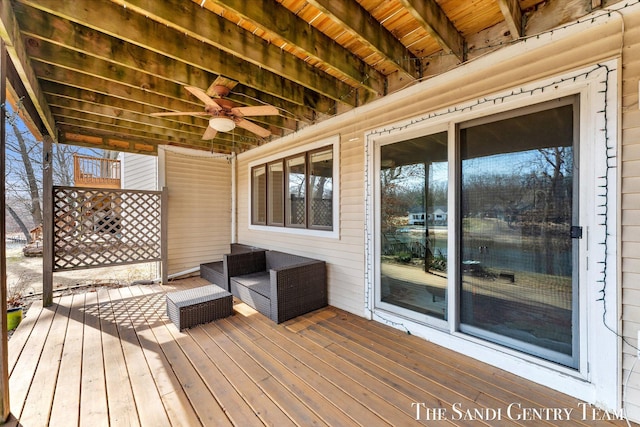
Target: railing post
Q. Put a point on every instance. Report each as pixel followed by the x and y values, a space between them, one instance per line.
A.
pixel 47 223
pixel 4 354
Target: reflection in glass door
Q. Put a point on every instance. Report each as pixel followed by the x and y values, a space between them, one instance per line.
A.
pixel 413 224
pixel 518 203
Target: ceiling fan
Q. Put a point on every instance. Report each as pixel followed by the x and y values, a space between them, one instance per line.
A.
pixel 225 116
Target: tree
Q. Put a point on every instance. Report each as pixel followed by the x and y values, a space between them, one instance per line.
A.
pixel 24 172
pixel 25 150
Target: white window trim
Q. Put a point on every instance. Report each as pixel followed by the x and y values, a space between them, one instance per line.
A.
pixel 597 379
pixel 331 234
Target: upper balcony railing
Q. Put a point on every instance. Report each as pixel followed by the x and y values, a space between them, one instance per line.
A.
pixel 96 172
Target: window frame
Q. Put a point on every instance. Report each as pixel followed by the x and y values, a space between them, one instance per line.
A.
pixel 332 142
pixel 310 190
pixel 287 193
pixel 252 213
pixel 269 215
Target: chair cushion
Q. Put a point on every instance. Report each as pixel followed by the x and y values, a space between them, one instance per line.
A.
pixel 257 282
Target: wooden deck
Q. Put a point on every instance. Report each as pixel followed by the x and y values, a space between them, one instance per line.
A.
pixel 112 358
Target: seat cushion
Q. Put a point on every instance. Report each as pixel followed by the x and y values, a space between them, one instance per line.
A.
pixel 256 282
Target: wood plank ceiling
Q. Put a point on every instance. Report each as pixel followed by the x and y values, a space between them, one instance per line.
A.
pixel 91 72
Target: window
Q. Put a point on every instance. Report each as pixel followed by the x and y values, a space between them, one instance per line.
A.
pixel 296 201
pixel 294 192
pixel 321 188
pixel 275 200
pixel 258 195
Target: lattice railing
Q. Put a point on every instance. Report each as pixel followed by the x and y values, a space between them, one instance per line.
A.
pixel 97 227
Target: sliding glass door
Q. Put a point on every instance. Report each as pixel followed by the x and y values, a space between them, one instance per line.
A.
pixel 513 272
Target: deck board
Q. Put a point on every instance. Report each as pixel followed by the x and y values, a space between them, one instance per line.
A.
pixel 64 409
pixel 155 386
pixel 135 338
pixel 119 392
pixel 34 413
pixel 21 334
pixel 112 357
pixel 94 410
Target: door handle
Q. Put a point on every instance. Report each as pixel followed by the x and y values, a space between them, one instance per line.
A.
pixel 576 232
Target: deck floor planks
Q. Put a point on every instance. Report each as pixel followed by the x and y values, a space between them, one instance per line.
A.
pixel 228 397
pixel 293 375
pixel 350 396
pixel 426 374
pixel 281 396
pixel 122 405
pixel 449 358
pixel 28 362
pixel 493 380
pixel 325 368
pixel 168 394
pixel 196 390
pixel 94 409
pixel 401 391
pixel 39 400
pixel 261 405
pixel 64 408
pixel 22 334
pixel 151 410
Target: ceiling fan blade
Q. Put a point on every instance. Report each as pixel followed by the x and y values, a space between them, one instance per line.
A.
pixel 202 96
pixel 258 110
pixel 252 127
pixel 180 113
pixel 210 133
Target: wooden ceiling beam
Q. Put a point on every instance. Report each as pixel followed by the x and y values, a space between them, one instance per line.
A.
pixel 68 104
pixel 190 18
pixel 121 55
pixel 90 124
pixel 512 16
pixel 274 73
pixel 429 14
pixel 10 33
pixel 128 127
pixel 115 104
pixel 18 97
pixel 105 140
pixel 106 143
pixel 359 22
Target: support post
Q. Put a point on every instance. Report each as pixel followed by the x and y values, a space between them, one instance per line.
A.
pixel 47 222
pixel 4 354
pixel 164 223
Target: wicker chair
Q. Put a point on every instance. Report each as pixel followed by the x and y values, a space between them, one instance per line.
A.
pixel 214 272
pixel 279 285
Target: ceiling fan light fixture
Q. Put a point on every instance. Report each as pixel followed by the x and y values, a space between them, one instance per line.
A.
pixel 222 124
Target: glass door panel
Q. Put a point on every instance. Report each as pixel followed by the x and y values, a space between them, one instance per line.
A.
pixel 518 203
pixel 413 224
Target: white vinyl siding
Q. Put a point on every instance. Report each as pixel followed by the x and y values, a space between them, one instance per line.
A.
pixel 139 171
pixel 630 227
pixel 199 192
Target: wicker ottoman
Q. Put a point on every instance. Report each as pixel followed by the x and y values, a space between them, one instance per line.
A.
pixel 195 306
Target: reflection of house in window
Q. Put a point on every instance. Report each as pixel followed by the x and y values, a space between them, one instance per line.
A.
pixel 416 216
pixel 436 215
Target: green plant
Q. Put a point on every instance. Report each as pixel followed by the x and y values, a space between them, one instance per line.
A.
pixel 439 262
pixel 404 257
pixel 15 291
